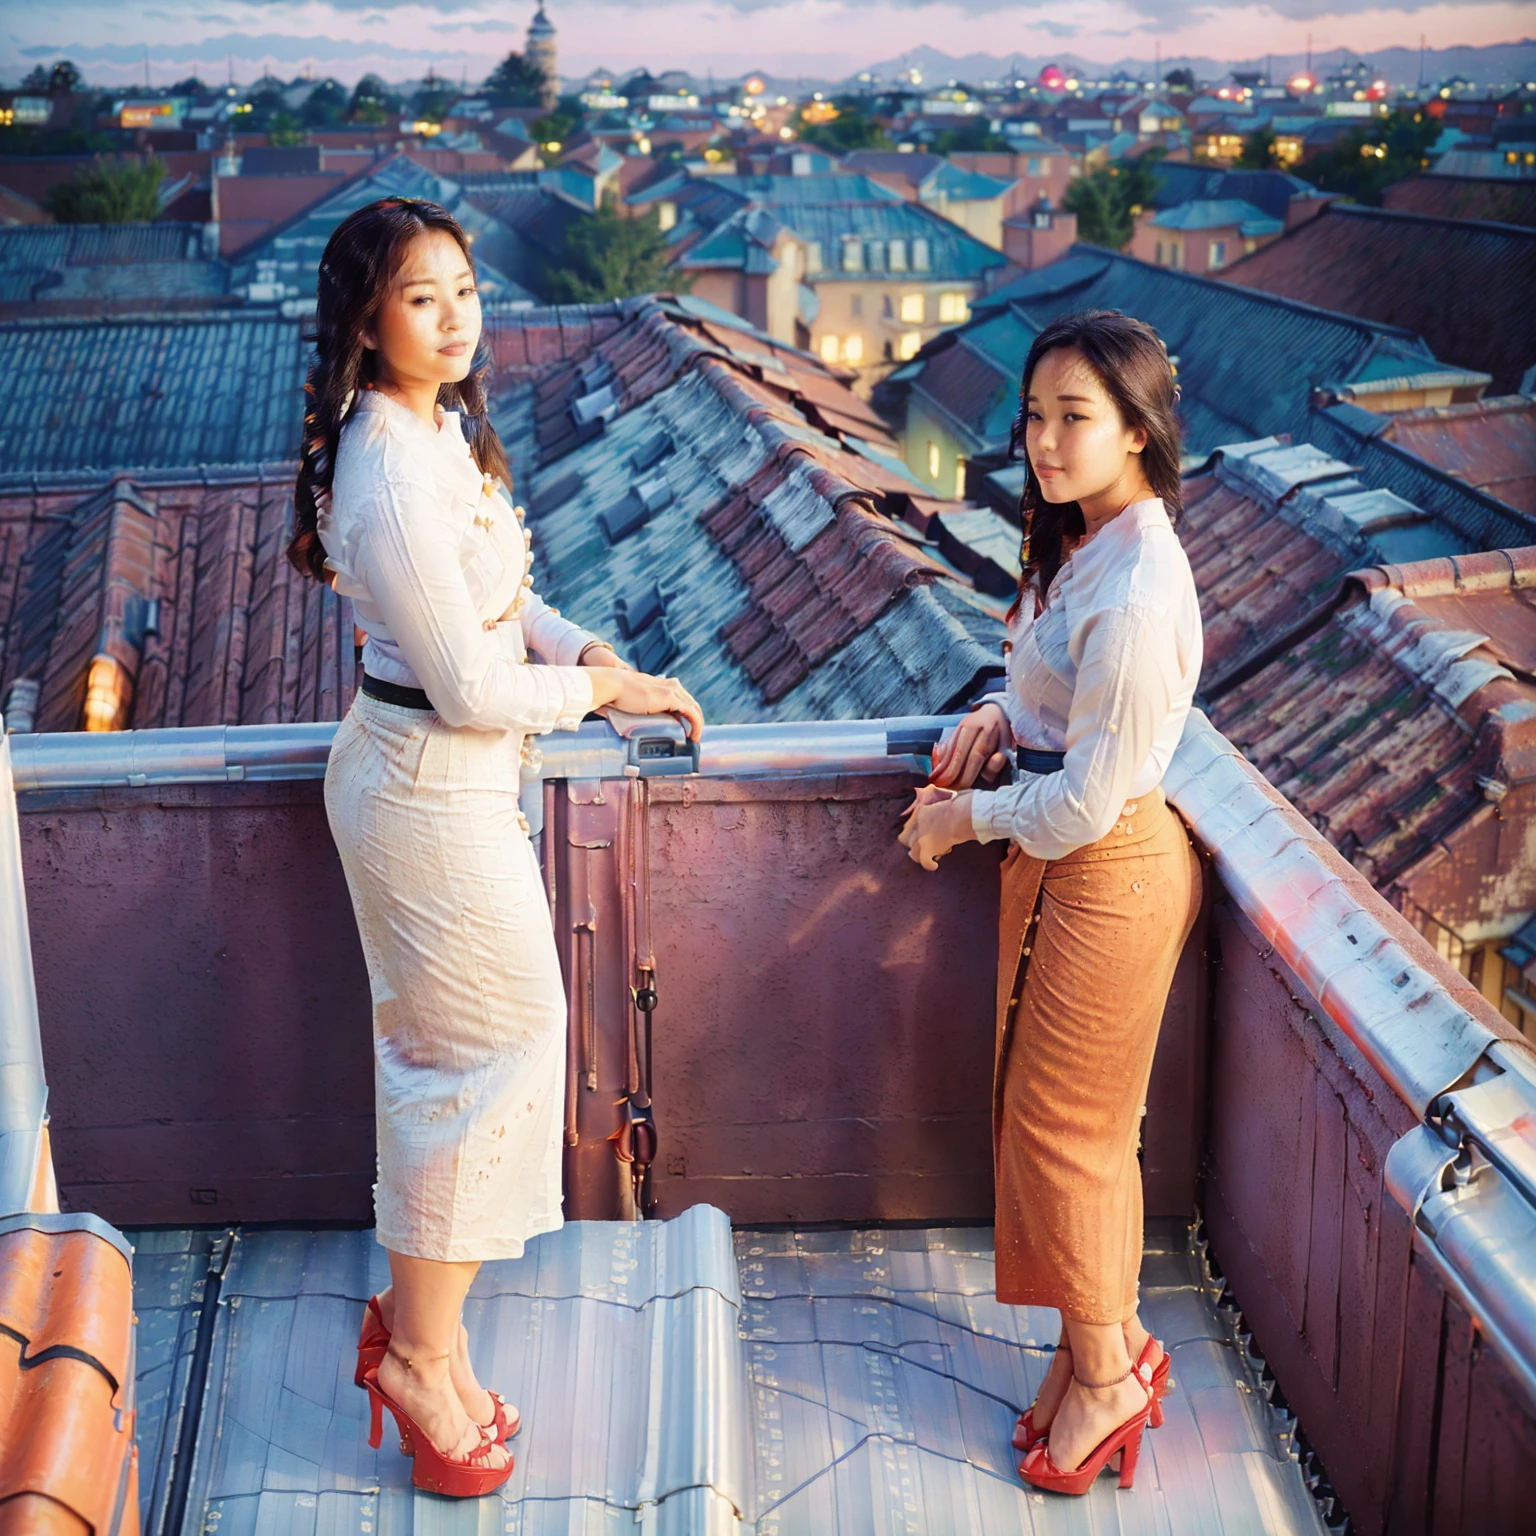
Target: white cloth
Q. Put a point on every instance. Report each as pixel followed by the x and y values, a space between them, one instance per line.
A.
pixel 468 1007
pixel 1107 674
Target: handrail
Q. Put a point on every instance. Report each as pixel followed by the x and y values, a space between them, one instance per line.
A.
pixel 23 1088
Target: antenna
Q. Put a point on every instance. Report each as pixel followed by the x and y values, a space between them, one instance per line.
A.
pixel 146 66
pixel 1309 53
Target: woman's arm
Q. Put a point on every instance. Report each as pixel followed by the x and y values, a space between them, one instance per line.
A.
pixel 1123 694
pixel 412 572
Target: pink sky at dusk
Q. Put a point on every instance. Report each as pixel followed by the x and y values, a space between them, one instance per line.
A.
pixel 827 38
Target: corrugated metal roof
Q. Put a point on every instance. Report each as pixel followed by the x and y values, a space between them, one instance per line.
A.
pixel 1505 200
pixel 1487 443
pixel 1454 282
pixel 1271 191
pixel 696 1382
pixel 184 580
pixel 1247 361
pixel 152 392
pixel 757 490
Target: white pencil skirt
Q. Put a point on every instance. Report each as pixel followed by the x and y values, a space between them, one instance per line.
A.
pixel 468 1006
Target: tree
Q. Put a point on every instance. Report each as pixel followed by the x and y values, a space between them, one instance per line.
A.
pixel 430 104
pixel 970 138
pixel 325 106
pixel 372 102
pixel 1258 152
pixel 1108 198
pixel 285 130
pixel 558 126
pixel 59 79
pixel 191 86
pixel 109 192
pixel 515 82
pixel 849 127
pixel 1363 163
pixel 608 256
pixel 1180 79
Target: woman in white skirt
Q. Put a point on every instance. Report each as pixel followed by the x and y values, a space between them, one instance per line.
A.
pixel 401 505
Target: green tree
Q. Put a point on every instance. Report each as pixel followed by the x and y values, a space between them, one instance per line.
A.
pixel 1180 79
pixel 1258 152
pixel 64 78
pixel 558 126
pixel 852 128
pixel 109 192
pixel 191 86
pixel 515 82
pixel 372 102
pixel 1107 199
pixel 608 256
pixel 325 106
pixel 1365 162
pixel 285 130
pixel 972 137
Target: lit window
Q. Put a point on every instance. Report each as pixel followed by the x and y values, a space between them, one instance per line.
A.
pixel 813 256
pixel 953 309
pixel 830 346
pixel 959 477
pixel 908 345
pixel 912 308
pixel 933 461
pixel 853 350
pixel 1033 168
pixel 666 215
pixel 1218 253
pixel 896 255
pixel 919 255
pixel 877 255
pixel 853 255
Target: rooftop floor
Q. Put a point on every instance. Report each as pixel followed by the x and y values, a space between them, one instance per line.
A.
pixel 675 1374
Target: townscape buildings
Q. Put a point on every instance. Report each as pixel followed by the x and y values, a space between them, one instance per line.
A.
pixel 769 342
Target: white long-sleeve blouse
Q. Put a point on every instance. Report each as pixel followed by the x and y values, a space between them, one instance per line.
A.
pixel 1106 673
pixel 435 559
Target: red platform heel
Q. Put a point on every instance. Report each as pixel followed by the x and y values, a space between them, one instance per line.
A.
pixel 1039 1471
pixel 373 1342
pixel 1160 1381
pixel 465 1477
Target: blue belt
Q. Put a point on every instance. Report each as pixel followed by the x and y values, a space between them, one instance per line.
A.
pixel 1038 760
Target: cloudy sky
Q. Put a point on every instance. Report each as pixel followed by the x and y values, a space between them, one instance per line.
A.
pixel 826 38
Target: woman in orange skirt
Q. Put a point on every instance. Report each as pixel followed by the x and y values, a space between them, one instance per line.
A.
pixel 1101 886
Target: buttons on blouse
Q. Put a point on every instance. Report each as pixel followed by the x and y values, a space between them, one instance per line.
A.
pixel 486 522
pixel 519 513
pixel 488 624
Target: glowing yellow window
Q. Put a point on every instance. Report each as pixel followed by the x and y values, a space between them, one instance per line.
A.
pixel 911 311
pixel 933 461
pixel 953 309
pixel 959 477
pixel 830 346
pixel 853 350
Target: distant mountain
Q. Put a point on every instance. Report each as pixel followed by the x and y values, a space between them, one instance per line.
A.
pixel 1496 64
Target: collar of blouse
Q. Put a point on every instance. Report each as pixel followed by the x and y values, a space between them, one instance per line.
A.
pixel 449 446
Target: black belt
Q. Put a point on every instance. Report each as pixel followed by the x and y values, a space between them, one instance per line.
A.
pixel 1038 760
pixel 394 693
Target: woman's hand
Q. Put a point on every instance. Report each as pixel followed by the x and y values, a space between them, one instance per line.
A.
pixel 977 745
pixel 600 654
pixel 937 820
pixel 638 693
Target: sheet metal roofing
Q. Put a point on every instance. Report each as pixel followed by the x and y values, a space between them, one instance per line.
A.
pixel 1458 283
pixel 1271 191
pixel 100 268
pixel 722 506
pixel 1501 199
pixel 694 1382
pixel 1399 725
pixel 151 391
pixel 1247 361
pixel 180 577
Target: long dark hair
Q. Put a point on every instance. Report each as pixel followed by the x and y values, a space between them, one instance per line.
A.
pixel 1133 366
pixel 360 262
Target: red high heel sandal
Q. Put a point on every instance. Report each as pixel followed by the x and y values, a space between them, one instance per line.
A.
pixel 1025 1436
pixel 1039 1471
pixel 460 1477
pixel 1160 1381
pixel 372 1343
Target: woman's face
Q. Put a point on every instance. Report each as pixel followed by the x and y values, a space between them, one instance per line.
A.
pixel 1077 444
pixel 428 326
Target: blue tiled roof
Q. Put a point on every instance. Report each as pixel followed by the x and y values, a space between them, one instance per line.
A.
pixel 959 185
pixel 1218 213
pixel 802 191
pixel 83 266
pixel 953 254
pixel 1270 191
pixel 293 250
pixel 1246 369
pixel 164 391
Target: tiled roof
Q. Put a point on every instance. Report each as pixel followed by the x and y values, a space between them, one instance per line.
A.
pixel 1247 361
pixel 952 253
pixel 1504 200
pixel 290 254
pixel 1400 722
pixel 181 578
pixel 914 167
pixel 1455 282
pixel 151 392
pixel 102 268
pixel 725 508
pixel 1218 213
pixel 803 191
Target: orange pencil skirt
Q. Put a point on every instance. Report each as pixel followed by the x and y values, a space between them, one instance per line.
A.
pixel 1089 944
